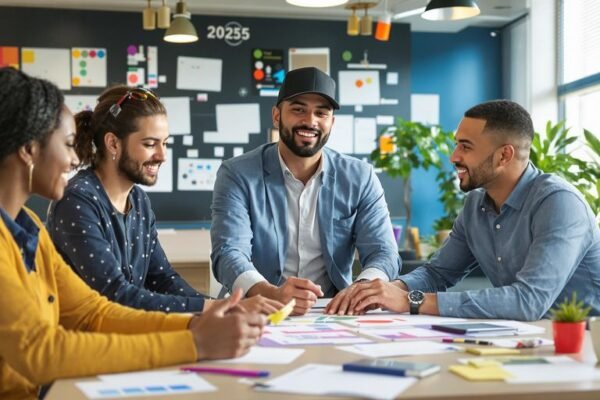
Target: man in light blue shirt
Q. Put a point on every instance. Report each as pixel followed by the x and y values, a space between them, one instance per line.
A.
pixel 288 216
pixel 532 234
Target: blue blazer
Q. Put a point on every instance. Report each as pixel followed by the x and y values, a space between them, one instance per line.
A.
pixel 249 218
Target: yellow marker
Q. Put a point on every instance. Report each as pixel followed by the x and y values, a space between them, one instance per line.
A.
pixel 282 314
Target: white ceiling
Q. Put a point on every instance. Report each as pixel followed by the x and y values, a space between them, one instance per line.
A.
pixel 494 13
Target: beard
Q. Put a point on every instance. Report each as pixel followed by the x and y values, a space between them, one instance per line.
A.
pixel 287 136
pixel 134 170
pixel 479 176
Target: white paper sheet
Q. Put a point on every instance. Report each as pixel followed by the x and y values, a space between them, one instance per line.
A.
pixel 51 64
pixel 188 140
pixel 385 120
pixel 234 118
pixel 341 137
pixel 164 182
pixel 267 355
pixel 136 76
pixel 400 333
pixel 365 135
pixel 163 385
pixel 410 348
pixel 78 103
pixel 391 78
pixel 88 67
pixel 152 67
pixel 178 114
pixel 359 87
pixel 197 174
pixel 198 73
pixel 323 334
pixel 321 303
pixel 425 108
pixel 386 320
pixel 330 380
pixel 238 151
pixel 560 369
pixel 192 153
pixel 219 151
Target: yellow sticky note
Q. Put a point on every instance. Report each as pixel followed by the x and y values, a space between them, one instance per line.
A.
pixel 471 373
pixel 28 56
pixel 282 314
pixel 484 362
pixel 491 351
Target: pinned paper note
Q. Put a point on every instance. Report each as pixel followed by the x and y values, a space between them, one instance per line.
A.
pixel 51 64
pixel 197 174
pixel 88 67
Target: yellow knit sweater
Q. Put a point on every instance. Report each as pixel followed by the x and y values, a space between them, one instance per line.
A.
pixel 52 325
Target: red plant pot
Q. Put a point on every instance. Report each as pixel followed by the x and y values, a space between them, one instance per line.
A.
pixel 568 336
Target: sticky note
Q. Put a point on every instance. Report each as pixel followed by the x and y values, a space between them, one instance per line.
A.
pixel 471 373
pixel 282 314
pixel 28 56
pixel 491 351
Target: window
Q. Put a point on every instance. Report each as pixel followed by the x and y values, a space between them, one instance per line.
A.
pixel 579 66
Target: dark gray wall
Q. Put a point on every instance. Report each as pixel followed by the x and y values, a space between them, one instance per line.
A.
pixel 116 30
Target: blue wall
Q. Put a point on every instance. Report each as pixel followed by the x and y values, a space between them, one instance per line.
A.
pixel 465 69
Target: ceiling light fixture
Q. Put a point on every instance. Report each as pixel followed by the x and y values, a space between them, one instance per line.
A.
pixel 149 17
pixel 384 25
pixel 181 30
pixel 450 10
pixel 316 3
pixel 164 16
pixel 365 26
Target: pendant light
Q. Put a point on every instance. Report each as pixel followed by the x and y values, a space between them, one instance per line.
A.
pixel 450 10
pixel 181 30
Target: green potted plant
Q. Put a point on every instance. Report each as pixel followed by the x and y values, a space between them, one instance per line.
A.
pixel 413 145
pixel 550 153
pixel 568 325
pixel 452 199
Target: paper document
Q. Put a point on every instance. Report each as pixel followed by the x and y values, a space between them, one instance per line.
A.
pixel 330 380
pixel 144 384
pixel 399 349
pixel 267 355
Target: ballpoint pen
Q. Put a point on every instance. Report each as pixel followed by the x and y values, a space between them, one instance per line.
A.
pixel 248 373
pixel 467 341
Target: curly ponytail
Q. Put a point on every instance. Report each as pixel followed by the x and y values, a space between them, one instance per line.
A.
pixel 84 139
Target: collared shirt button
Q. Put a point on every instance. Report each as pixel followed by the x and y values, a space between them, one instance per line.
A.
pixel 499 259
pixel 498 226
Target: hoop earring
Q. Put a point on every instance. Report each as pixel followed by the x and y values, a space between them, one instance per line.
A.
pixel 31 177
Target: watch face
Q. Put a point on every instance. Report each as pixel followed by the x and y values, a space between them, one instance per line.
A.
pixel 416 296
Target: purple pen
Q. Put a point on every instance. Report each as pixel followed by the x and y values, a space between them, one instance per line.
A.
pixel 247 373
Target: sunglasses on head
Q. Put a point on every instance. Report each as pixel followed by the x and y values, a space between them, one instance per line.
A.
pixel 139 94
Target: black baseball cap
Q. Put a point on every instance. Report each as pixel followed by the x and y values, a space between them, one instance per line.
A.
pixel 308 80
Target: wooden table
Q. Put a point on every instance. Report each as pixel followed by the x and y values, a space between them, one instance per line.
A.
pixel 443 385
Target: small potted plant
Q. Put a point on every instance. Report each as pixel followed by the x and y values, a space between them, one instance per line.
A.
pixel 568 325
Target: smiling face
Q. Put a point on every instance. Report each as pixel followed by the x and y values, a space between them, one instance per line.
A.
pixel 474 154
pixel 145 150
pixel 304 123
pixel 56 159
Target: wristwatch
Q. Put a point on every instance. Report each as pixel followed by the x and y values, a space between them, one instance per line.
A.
pixel 415 299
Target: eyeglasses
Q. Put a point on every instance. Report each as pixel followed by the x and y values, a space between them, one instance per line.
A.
pixel 140 94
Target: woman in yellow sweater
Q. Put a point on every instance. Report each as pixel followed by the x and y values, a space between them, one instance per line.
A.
pixel 52 325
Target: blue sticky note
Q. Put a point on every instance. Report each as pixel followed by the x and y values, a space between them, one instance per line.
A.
pixel 133 390
pixel 178 388
pixel 156 389
pixel 108 392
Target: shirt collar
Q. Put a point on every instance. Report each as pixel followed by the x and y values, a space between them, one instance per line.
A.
pixel 519 193
pixel 319 172
pixel 25 232
pixel 517 196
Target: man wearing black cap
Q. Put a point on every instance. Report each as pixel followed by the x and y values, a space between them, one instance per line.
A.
pixel 288 216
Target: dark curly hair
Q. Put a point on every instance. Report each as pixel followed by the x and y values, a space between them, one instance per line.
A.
pixel 29 110
pixel 93 125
